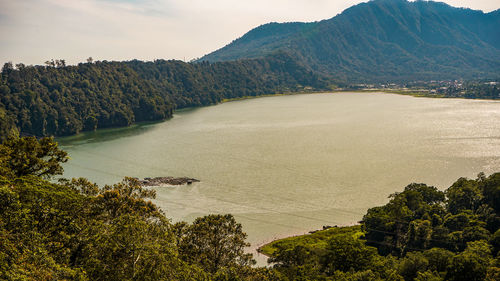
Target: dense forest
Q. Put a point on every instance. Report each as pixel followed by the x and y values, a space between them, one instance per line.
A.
pixel 420 234
pixel 77 230
pixel 57 100
pixel 384 40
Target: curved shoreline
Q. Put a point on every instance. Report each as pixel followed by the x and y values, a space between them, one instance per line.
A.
pixel 334 91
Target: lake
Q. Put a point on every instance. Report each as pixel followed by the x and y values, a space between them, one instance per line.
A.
pixel 285 165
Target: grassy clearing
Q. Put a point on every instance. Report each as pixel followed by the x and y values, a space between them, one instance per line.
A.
pixel 317 240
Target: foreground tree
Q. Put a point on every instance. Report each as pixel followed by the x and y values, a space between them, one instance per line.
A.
pixel 29 156
pixel 214 242
pixel 75 230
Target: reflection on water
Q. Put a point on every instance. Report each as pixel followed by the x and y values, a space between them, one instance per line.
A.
pixel 106 134
pixel 111 134
pixel 286 165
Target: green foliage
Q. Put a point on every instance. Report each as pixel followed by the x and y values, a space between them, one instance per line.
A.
pixel 29 156
pixel 413 264
pixel 491 191
pixel 7 122
pixel 439 259
pixel 317 240
pixel 214 242
pixel 428 276
pixel 464 194
pixel 76 230
pixel 472 264
pixel 495 242
pixel 66 100
pixel 346 253
pixel 420 234
pixel 407 221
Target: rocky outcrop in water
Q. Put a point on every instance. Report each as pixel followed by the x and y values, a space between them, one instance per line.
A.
pixel 158 181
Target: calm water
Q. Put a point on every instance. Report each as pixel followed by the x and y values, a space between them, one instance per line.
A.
pixel 286 165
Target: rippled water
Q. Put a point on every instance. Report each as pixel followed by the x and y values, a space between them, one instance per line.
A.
pixel 286 165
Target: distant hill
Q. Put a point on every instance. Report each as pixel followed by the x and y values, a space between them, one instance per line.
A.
pixel 384 40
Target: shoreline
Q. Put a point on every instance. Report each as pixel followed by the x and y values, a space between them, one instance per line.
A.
pixel 381 91
pixel 412 93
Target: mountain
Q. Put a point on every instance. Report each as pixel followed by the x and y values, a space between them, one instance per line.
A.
pixel 384 40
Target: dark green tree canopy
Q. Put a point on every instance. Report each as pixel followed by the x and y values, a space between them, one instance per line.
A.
pixel 29 156
pixel 66 100
pixel 214 241
pixel 77 230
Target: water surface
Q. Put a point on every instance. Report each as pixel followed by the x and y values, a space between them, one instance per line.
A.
pixel 286 165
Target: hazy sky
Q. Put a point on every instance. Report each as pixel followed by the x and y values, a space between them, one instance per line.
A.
pixel 36 30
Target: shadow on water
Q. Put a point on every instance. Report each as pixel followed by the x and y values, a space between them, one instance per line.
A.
pixel 103 135
pixel 109 134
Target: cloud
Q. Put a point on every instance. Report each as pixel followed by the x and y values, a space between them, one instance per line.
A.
pixel 485 5
pixel 37 30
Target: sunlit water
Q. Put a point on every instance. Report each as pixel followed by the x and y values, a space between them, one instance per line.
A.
pixel 286 165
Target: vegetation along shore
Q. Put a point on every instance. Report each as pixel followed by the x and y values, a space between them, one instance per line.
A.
pixel 77 230
pixel 67 100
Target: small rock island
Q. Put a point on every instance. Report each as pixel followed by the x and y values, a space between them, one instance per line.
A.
pixel 158 181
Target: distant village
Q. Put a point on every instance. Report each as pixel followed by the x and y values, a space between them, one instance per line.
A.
pixel 442 88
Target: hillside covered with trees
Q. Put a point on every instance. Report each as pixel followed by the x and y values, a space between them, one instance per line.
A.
pixel 384 40
pixel 58 100
pixel 77 230
pixel 420 234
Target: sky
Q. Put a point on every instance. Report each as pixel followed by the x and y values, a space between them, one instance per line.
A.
pixel 34 31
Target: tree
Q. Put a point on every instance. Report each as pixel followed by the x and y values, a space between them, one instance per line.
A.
pixel 438 258
pixel 345 253
pixel 428 276
pixel 56 100
pixel 29 156
pixel 412 264
pixel 419 234
pixel 431 195
pixel 297 256
pixel 491 190
pixel 464 194
pixel 7 68
pixel 38 221
pixel 297 263
pixel 214 242
pixel 7 123
pixel 495 242
pixel 50 63
pixel 470 265
pixel 493 274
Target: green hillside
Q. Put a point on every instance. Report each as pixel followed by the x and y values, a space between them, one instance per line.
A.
pixel 66 100
pixel 384 40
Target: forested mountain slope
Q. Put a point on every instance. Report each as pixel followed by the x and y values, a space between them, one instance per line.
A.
pixel 384 40
pixel 46 100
